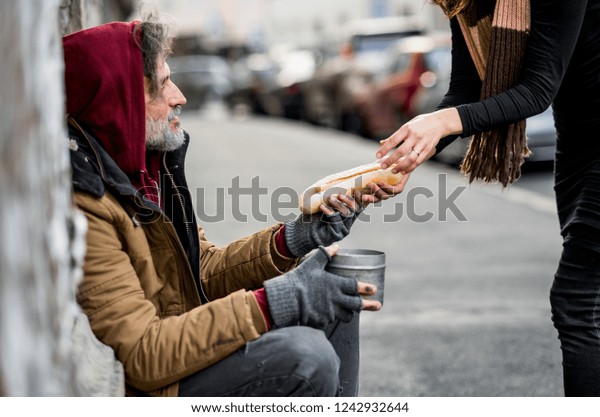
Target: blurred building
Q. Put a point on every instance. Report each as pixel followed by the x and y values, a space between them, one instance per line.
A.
pixel 310 22
pixel 306 24
pixel 232 21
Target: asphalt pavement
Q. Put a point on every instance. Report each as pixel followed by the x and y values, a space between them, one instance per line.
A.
pixel 469 268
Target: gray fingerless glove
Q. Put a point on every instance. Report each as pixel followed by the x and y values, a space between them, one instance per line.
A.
pixel 311 296
pixel 309 231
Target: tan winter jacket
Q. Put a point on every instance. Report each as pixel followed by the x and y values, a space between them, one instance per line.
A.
pixel 142 271
pixel 141 301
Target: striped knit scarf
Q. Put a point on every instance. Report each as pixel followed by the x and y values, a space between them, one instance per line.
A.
pixel 497 47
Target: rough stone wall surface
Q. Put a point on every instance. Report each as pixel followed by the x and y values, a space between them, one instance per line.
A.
pixel 46 346
pixel 75 15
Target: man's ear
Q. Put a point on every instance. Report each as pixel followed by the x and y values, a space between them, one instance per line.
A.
pixel 147 85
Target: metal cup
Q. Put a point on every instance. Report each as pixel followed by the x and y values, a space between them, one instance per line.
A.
pixel 364 265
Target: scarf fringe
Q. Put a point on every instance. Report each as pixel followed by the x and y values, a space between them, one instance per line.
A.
pixel 504 157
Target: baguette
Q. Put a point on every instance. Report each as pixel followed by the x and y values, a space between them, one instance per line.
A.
pixel 346 182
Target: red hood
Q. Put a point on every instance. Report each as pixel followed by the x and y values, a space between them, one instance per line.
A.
pixel 105 93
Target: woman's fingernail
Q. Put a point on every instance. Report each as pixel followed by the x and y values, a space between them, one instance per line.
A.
pixel 379 155
pixel 384 166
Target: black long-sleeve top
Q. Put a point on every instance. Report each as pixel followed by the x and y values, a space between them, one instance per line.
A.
pixel 561 67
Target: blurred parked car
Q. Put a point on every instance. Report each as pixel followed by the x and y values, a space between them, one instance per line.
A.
pixel 296 67
pixel 541 137
pixel 201 78
pixel 255 76
pixel 361 55
pixel 541 140
pixel 382 105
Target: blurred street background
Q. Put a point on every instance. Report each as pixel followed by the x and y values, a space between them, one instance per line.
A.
pixel 281 93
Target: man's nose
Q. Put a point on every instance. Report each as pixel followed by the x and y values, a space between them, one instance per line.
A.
pixel 178 99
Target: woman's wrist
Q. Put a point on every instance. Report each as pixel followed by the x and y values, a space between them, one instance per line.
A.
pixel 449 121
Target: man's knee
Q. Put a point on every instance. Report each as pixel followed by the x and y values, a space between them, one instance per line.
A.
pixel 313 359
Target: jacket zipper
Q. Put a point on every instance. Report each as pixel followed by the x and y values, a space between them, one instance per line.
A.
pixel 185 266
pixel 179 197
pixel 187 226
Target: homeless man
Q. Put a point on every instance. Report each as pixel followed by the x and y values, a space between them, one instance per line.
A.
pixel 183 316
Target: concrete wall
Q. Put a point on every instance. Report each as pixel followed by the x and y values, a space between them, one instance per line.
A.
pixel 75 15
pixel 46 345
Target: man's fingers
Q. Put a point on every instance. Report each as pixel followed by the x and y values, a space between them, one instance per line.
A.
pixel 368 199
pixel 373 196
pixel 343 203
pixel 360 199
pixel 366 288
pixel 390 190
pixel 349 201
pixel 383 193
pixel 332 250
pixel 393 190
pixel 371 305
pixel 335 201
pixel 327 210
pixel 378 192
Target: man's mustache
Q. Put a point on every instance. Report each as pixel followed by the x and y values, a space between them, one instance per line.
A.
pixel 174 113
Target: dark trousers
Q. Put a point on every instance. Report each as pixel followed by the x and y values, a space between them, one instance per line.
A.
pixel 292 361
pixel 575 299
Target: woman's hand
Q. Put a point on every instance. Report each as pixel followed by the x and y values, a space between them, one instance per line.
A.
pixel 416 140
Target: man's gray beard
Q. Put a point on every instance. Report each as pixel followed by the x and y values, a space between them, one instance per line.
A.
pixel 159 135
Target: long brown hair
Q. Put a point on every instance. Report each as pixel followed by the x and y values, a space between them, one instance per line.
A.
pixel 452 7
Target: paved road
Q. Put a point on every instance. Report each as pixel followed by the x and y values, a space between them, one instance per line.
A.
pixel 466 302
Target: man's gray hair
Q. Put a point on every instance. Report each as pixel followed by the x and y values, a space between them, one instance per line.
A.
pixel 155 37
